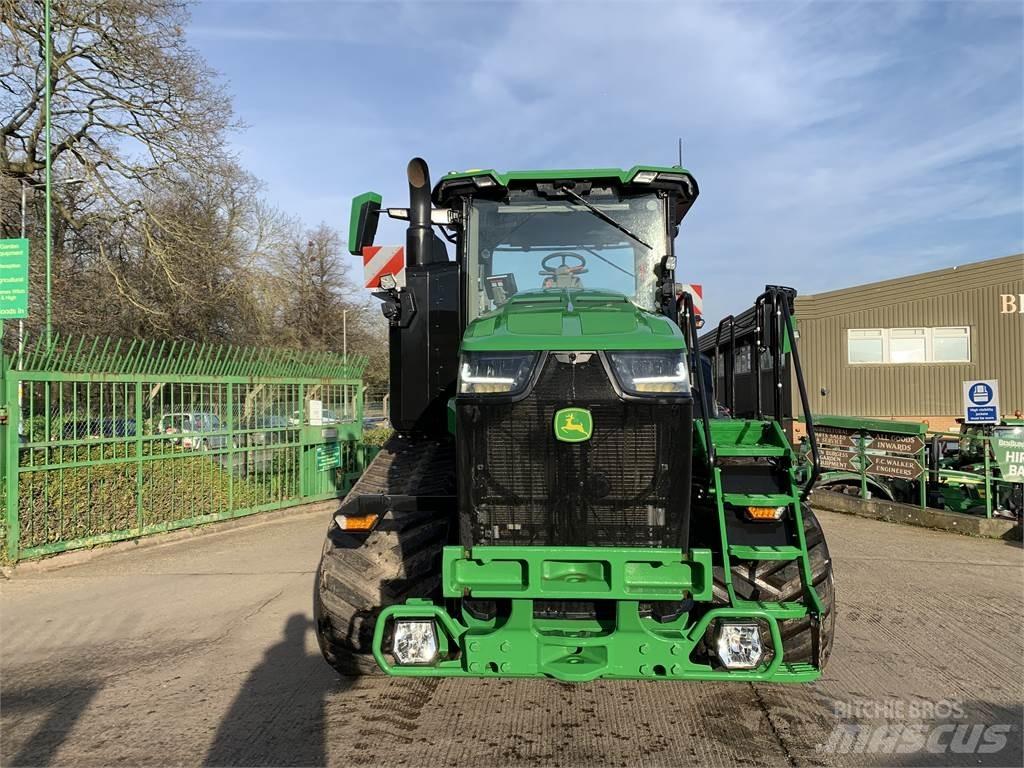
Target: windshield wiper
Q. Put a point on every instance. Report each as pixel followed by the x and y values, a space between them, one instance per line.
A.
pixel 602 215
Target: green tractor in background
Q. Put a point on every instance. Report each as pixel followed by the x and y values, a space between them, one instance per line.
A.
pixel 962 470
pixel 559 499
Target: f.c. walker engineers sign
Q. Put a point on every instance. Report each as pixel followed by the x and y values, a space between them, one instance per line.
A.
pixel 13 278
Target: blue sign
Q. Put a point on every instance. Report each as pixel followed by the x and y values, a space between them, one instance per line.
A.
pixel 980 394
pixel 981 402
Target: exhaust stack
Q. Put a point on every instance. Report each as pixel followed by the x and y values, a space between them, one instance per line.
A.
pixel 420 249
pixel 424 340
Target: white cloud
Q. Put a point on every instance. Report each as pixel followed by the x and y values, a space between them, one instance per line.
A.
pixel 834 143
pixel 813 133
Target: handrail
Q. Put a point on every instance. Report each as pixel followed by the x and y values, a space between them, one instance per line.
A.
pixel 755 356
pixel 696 371
pixel 787 319
pixel 777 355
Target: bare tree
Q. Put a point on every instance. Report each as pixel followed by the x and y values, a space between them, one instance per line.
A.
pixel 131 101
pixel 168 236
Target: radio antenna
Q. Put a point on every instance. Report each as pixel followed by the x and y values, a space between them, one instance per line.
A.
pixel 680 152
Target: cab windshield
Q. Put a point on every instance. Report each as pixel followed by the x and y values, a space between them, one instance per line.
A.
pixel 536 243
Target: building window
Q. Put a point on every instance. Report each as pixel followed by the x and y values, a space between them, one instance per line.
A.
pixel 908 345
pixel 865 345
pixel 951 345
pixel 899 346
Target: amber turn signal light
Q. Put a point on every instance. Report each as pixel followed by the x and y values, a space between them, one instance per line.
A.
pixel 349 523
pixel 765 514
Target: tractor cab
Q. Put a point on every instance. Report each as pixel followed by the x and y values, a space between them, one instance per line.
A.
pixel 530 231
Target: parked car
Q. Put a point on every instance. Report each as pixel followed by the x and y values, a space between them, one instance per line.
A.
pixel 193 430
pixel 265 429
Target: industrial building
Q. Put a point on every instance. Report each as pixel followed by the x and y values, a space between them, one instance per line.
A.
pixel 902 348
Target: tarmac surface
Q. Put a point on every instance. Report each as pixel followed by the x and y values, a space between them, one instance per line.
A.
pixel 201 651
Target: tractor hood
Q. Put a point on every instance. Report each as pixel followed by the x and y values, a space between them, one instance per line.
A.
pixel 548 320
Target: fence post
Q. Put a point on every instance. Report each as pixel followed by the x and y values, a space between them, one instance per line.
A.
pixel 230 449
pixel 985 443
pixel 140 486
pixel 300 430
pixel 360 411
pixel 862 455
pixel 9 453
pixel 922 479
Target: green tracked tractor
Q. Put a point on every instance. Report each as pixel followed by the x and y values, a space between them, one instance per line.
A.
pixel 562 497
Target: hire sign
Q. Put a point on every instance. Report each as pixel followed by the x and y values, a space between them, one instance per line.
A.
pixel 1009 453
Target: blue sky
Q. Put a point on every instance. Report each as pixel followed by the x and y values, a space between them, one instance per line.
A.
pixel 834 143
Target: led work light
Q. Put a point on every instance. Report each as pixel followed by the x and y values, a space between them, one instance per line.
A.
pixel 739 645
pixel 415 642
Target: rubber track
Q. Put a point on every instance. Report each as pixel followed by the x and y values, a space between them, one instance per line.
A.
pixel 779 581
pixel 361 574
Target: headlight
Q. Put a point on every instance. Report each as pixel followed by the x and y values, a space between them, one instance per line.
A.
pixel 495 373
pixel 415 642
pixel 739 645
pixel 652 373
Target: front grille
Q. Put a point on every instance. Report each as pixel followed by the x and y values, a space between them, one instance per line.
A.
pixel 628 485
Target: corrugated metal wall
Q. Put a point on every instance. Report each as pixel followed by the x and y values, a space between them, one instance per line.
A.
pixel 968 295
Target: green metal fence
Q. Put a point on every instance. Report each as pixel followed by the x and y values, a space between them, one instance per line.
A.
pixel 110 440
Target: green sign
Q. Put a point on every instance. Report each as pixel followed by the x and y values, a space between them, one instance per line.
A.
pixel 573 425
pixel 13 278
pixel 1009 451
pixel 328 456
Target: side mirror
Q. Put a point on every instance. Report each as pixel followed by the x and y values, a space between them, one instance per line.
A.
pixel 362 224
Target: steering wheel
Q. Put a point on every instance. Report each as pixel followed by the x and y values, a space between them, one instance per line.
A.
pixel 579 269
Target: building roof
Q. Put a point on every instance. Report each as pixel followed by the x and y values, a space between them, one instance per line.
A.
pixel 902 289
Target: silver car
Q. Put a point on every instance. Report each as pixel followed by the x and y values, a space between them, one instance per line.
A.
pixel 193 430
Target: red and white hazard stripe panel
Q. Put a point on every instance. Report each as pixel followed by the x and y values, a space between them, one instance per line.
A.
pixel 697 291
pixel 381 260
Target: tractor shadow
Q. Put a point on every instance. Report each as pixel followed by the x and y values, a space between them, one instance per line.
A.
pixel 279 715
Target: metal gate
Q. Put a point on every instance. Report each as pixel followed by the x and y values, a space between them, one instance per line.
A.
pixel 109 440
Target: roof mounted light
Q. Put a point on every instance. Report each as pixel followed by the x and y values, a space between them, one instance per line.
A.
pixel 678 178
pixel 645 177
pixel 484 181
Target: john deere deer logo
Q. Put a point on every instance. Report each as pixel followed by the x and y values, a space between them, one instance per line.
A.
pixel 573 425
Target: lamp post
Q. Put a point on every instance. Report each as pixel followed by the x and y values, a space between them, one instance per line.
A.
pixel 21 321
pixel 25 184
pixel 49 183
pixel 344 355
